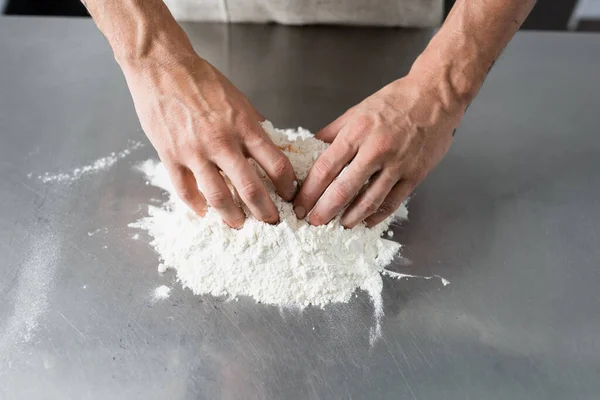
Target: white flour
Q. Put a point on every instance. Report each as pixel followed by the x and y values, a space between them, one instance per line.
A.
pixel 292 264
pixel 161 293
pixel 100 164
pixel 35 281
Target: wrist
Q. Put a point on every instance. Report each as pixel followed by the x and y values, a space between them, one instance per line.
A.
pixel 456 87
pixel 136 66
pixel 157 48
pixel 454 66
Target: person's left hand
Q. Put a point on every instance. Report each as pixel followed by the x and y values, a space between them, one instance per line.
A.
pixel 392 140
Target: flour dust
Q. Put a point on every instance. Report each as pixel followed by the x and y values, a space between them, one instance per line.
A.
pixel 98 165
pixel 291 264
pixel 161 293
pixel 35 281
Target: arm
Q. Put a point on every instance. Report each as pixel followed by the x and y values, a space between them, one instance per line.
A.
pixel 199 123
pixel 396 136
pixel 469 42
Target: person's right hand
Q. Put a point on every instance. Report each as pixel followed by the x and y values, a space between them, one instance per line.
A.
pixel 200 125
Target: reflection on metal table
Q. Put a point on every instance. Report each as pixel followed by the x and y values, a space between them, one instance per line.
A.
pixel 510 217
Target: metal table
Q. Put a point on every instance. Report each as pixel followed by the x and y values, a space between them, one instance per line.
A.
pixel 510 217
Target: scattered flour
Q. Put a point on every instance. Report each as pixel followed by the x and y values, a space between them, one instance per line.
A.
pixel 100 164
pixel 291 264
pixel 162 268
pixel 397 275
pixel 99 230
pixel 35 280
pixel 161 292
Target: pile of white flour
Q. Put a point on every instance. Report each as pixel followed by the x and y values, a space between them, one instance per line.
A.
pixel 291 264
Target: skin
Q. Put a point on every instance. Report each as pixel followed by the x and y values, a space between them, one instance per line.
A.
pixel 201 125
pixel 204 128
pixel 395 137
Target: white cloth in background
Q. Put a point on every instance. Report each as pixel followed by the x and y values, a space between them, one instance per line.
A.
pixel 408 13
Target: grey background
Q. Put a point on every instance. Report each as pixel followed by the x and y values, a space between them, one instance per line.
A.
pixel 546 15
pixel 510 217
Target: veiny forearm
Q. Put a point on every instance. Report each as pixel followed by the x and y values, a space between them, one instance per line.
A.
pixel 461 54
pixel 198 122
pixel 139 30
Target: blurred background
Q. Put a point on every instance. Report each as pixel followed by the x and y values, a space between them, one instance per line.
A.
pixel 557 15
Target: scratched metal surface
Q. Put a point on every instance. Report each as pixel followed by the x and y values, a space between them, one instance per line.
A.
pixel 510 217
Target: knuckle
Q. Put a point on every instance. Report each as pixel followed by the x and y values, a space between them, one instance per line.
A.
pixel 341 190
pixel 252 191
pixel 362 123
pixel 281 166
pixel 254 141
pixel 248 127
pixel 385 146
pixel 389 205
pixel 217 199
pixel 186 194
pixel 322 167
pixel 251 134
pixel 368 205
pixel 220 144
pixel 392 171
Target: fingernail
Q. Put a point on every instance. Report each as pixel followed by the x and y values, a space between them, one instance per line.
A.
pixel 300 212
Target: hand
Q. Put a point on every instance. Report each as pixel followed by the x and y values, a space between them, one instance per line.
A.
pixel 200 125
pixel 392 140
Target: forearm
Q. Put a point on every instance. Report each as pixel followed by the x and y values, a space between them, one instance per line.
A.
pixel 139 30
pixel 461 54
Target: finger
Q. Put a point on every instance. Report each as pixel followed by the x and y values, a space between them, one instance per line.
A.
pixel 257 116
pixel 217 194
pixel 394 199
pixel 329 133
pixel 187 189
pixel 321 174
pixel 276 165
pixel 370 200
pixel 251 189
pixel 343 189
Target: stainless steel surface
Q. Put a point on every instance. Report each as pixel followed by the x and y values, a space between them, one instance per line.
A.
pixel 510 217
